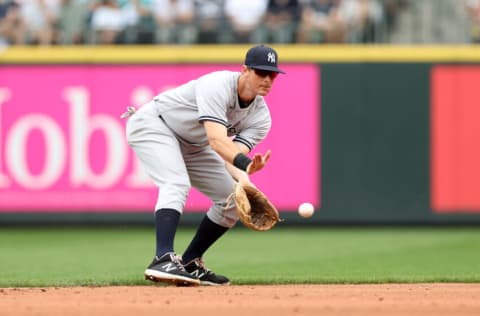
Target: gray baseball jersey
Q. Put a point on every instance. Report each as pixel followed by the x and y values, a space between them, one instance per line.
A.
pixel 213 97
pixel 169 139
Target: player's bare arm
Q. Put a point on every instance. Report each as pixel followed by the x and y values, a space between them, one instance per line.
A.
pixel 225 147
pixel 219 141
pixel 239 175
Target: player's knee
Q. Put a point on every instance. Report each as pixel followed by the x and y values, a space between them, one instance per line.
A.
pixel 230 218
pixel 173 196
pixel 220 215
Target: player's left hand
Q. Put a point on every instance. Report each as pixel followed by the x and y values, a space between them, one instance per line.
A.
pixel 258 162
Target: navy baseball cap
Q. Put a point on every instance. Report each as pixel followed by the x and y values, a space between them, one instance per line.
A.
pixel 262 57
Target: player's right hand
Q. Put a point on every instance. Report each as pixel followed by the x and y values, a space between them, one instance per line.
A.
pixel 258 162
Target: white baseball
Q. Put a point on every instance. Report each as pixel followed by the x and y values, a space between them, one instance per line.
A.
pixel 306 209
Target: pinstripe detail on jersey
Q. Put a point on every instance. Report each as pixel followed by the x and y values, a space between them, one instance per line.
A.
pixel 242 140
pixel 213 119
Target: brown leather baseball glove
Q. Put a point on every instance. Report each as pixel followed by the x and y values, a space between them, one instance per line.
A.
pixel 254 208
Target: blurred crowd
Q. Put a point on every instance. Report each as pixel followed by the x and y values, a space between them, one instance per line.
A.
pixel 99 22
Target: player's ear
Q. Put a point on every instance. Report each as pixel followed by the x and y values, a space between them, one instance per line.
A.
pixel 244 69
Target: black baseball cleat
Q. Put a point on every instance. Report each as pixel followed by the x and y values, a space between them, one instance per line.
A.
pixel 197 269
pixel 168 268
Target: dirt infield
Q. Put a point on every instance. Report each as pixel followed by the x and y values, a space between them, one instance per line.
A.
pixel 325 300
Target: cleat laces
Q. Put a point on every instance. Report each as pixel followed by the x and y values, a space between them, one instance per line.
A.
pixel 202 265
pixel 177 260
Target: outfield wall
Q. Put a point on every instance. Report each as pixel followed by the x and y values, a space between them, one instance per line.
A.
pixel 368 134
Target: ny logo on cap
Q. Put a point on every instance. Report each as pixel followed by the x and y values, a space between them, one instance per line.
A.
pixel 271 57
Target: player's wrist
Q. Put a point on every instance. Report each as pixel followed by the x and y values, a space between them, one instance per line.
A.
pixel 241 161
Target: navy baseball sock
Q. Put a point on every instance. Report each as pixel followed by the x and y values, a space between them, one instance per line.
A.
pixel 208 232
pixel 166 222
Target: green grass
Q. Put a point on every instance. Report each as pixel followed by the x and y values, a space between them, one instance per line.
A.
pixel 118 256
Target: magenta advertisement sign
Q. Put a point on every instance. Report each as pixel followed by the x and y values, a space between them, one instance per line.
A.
pixel 63 146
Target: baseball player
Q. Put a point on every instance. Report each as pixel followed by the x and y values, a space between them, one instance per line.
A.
pixel 199 134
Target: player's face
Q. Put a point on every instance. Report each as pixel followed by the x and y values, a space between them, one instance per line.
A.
pixel 262 80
